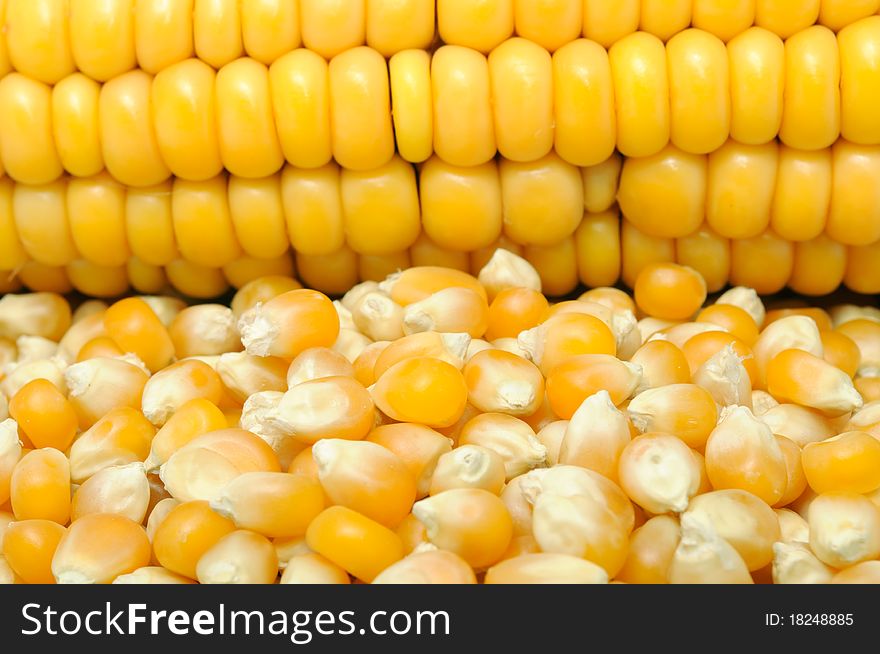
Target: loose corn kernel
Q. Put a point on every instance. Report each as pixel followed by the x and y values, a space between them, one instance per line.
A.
pixel 511 438
pixel 120 490
pixel 151 575
pixel 790 332
pixel 829 389
pixel 261 290
pixel 792 527
pixel 135 328
pixel 429 567
pixel 28 547
pixel 796 479
pixel 670 291
pixel 44 414
pixel 276 505
pixel 200 469
pixel 330 407
pixel 241 557
pixel 794 563
pixel 819 316
pixel 848 462
pixel 866 335
pixel 579 377
pixel 157 516
pixel 318 363
pixel 502 382
pixel 868 387
pixel 40 486
pixel 565 336
pixel 726 379
pixel 204 330
pixel 449 310
pixel 595 437
pixel 844 529
pixel 424 390
pixel 34 314
pixel 358 545
pixel 365 477
pixel 742 453
pixel 243 374
pixel 867 572
pixel 662 363
pixel 187 532
pixel 10 455
pixel 703 557
pixel 659 472
pixel 192 419
pixel 120 437
pixel 99 347
pixel 469 466
pixel 551 437
pixel 684 410
pixel 419 447
pixel 515 310
pixel 311 568
pixel 841 351
pixel 470 522
pixel 288 324
pixel 575 511
pixel 99 547
pixel 546 568
pixel 651 549
pixel 172 387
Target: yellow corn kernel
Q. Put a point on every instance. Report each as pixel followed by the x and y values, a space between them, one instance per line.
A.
pixel 376 267
pixel 120 437
pixel 854 217
pixel 861 268
pixel 595 436
pixel 481 26
pixel 858 44
pixel 664 18
pixel 651 548
pixel 424 252
pixel 97 386
pixel 126 125
pixel 163 33
pixel 734 166
pixel 416 284
pixel 742 453
pixel 786 17
pixel 800 424
pixel 360 104
pixel 34 314
pixel 470 522
pixel 579 377
pixel 662 363
pixel 430 567
pixel 469 466
pixel 28 547
pixel 170 388
pixel 513 439
pixel 40 486
pixel 121 490
pixel 450 348
pixel 410 79
pixel 823 254
pixel 241 557
pixel 670 291
pixel 149 224
pixel 844 529
pixel 521 73
pixel 546 568
pixel 419 447
pixel 424 390
pixel 664 194
pixel 803 193
pixel 196 281
pixel 97 205
pixel 184 119
pixel 743 520
pixel 44 414
pixel 837 15
pixel 366 478
pixel 187 532
pixel 846 463
pixel 506 270
pixel 805 379
pixel 794 563
pixel 757 68
pixel 449 310
pixel 76 125
pixel 556 264
pixel 601 183
pixel 659 473
pixel 841 351
pixel 151 575
pixel 515 310
pixel 261 290
pixel 204 330
pixel 10 454
pixel 550 24
pixel 702 556
pixel 463 126
pixel 699 91
pixel 608 22
pixel 639 76
pixel 583 95
pixel 289 323
pixel 812 79
pixel 503 382
pixel 135 328
pixel 311 568
pixel 734 319
pixel 243 98
pixel 317 363
pixel 355 543
pixel 867 572
pixel 38 38
pixel 866 335
pixel 365 364
pixel 789 332
pixel 581 513
pixel 685 410
pixel 388 188
pixel 763 263
pixel 868 387
pixel 566 335
pixel 98 281
pixel 723 18
pixel 42 210
pixel 102 37
pixel 269 29
pixel 28 149
pixel 329 407
pixel 597 241
pixel 217 31
pixel 329 28
pixel 707 253
pixel 392 27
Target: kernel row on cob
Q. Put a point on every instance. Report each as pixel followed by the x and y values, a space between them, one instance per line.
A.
pixel 50 39
pixel 521 102
pixel 440 428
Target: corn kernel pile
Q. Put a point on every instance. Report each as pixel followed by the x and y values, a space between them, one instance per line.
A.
pixel 440 428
